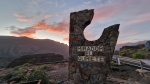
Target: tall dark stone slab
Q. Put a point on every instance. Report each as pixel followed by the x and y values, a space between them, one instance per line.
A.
pixel 89 61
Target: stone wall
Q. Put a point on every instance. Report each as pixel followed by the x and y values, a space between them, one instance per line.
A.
pixel 88 70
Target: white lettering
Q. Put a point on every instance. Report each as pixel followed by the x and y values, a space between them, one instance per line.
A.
pixel 89 48
pixel 91 58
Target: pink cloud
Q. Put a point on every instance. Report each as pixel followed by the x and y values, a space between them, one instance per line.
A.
pixel 28 32
pixel 105 12
pixel 21 17
pixel 30 35
pixel 132 33
pixel 136 21
pixel 57 28
pixel 66 39
pixel 121 42
pixel 116 9
pixel 47 16
pixel 24 19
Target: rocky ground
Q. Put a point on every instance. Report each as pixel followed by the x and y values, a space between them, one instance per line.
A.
pixel 57 74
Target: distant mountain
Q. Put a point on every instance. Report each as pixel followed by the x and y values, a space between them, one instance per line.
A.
pixel 15 47
pixel 36 59
pixel 118 46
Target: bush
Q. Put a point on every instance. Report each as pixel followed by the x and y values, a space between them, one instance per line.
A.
pixel 20 73
pixel 144 49
pixel 38 75
pixel 26 64
pixel 22 66
pixel 43 67
pixel 138 55
pixel 122 54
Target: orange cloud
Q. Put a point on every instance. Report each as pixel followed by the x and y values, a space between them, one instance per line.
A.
pixel 57 28
pixel 28 32
pixel 66 39
pixel 30 35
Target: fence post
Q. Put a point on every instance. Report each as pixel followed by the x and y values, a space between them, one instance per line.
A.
pixel 118 60
pixel 141 65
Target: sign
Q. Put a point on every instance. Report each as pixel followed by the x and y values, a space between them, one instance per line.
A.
pixel 89 61
pixel 88 50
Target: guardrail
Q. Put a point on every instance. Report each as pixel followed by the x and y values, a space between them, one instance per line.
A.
pixel 119 59
pixel 130 61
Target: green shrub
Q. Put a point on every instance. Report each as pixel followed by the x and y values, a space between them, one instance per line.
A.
pixel 43 67
pixel 122 53
pixel 144 49
pixel 19 74
pixel 22 66
pixel 38 75
pixel 26 64
pixel 138 55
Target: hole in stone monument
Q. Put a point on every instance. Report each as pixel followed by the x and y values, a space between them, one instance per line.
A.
pixel 92 32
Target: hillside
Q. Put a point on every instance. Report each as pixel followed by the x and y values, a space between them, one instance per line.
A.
pixel 118 46
pixel 15 47
pixel 36 59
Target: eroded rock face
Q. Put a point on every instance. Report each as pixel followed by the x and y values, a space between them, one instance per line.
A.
pixel 89 61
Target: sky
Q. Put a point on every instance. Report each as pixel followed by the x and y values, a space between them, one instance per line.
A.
pixel 49 19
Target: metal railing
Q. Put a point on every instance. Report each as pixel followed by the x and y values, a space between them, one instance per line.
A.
pixel 130 61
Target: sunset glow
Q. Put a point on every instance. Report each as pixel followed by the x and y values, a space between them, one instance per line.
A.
pixel 41 18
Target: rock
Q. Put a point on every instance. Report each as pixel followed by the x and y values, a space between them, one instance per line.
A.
pixel 144 73
pixel 31 70
pixel 118 68
pixel 60 82
pixel 98 60
pixel 72 69
pixel 13 82
pixel 33 82
pixel 77 77
pixel 7 76
pixel 145 80
pixel 69 82
pixel 16 79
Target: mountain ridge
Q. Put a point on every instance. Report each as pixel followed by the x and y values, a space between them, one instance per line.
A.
pixel 118 46
pixel 15 47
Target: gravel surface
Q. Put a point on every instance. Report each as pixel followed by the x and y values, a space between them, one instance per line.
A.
pixel 122 74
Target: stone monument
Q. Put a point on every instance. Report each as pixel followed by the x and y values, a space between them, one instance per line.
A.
pixel 89 61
